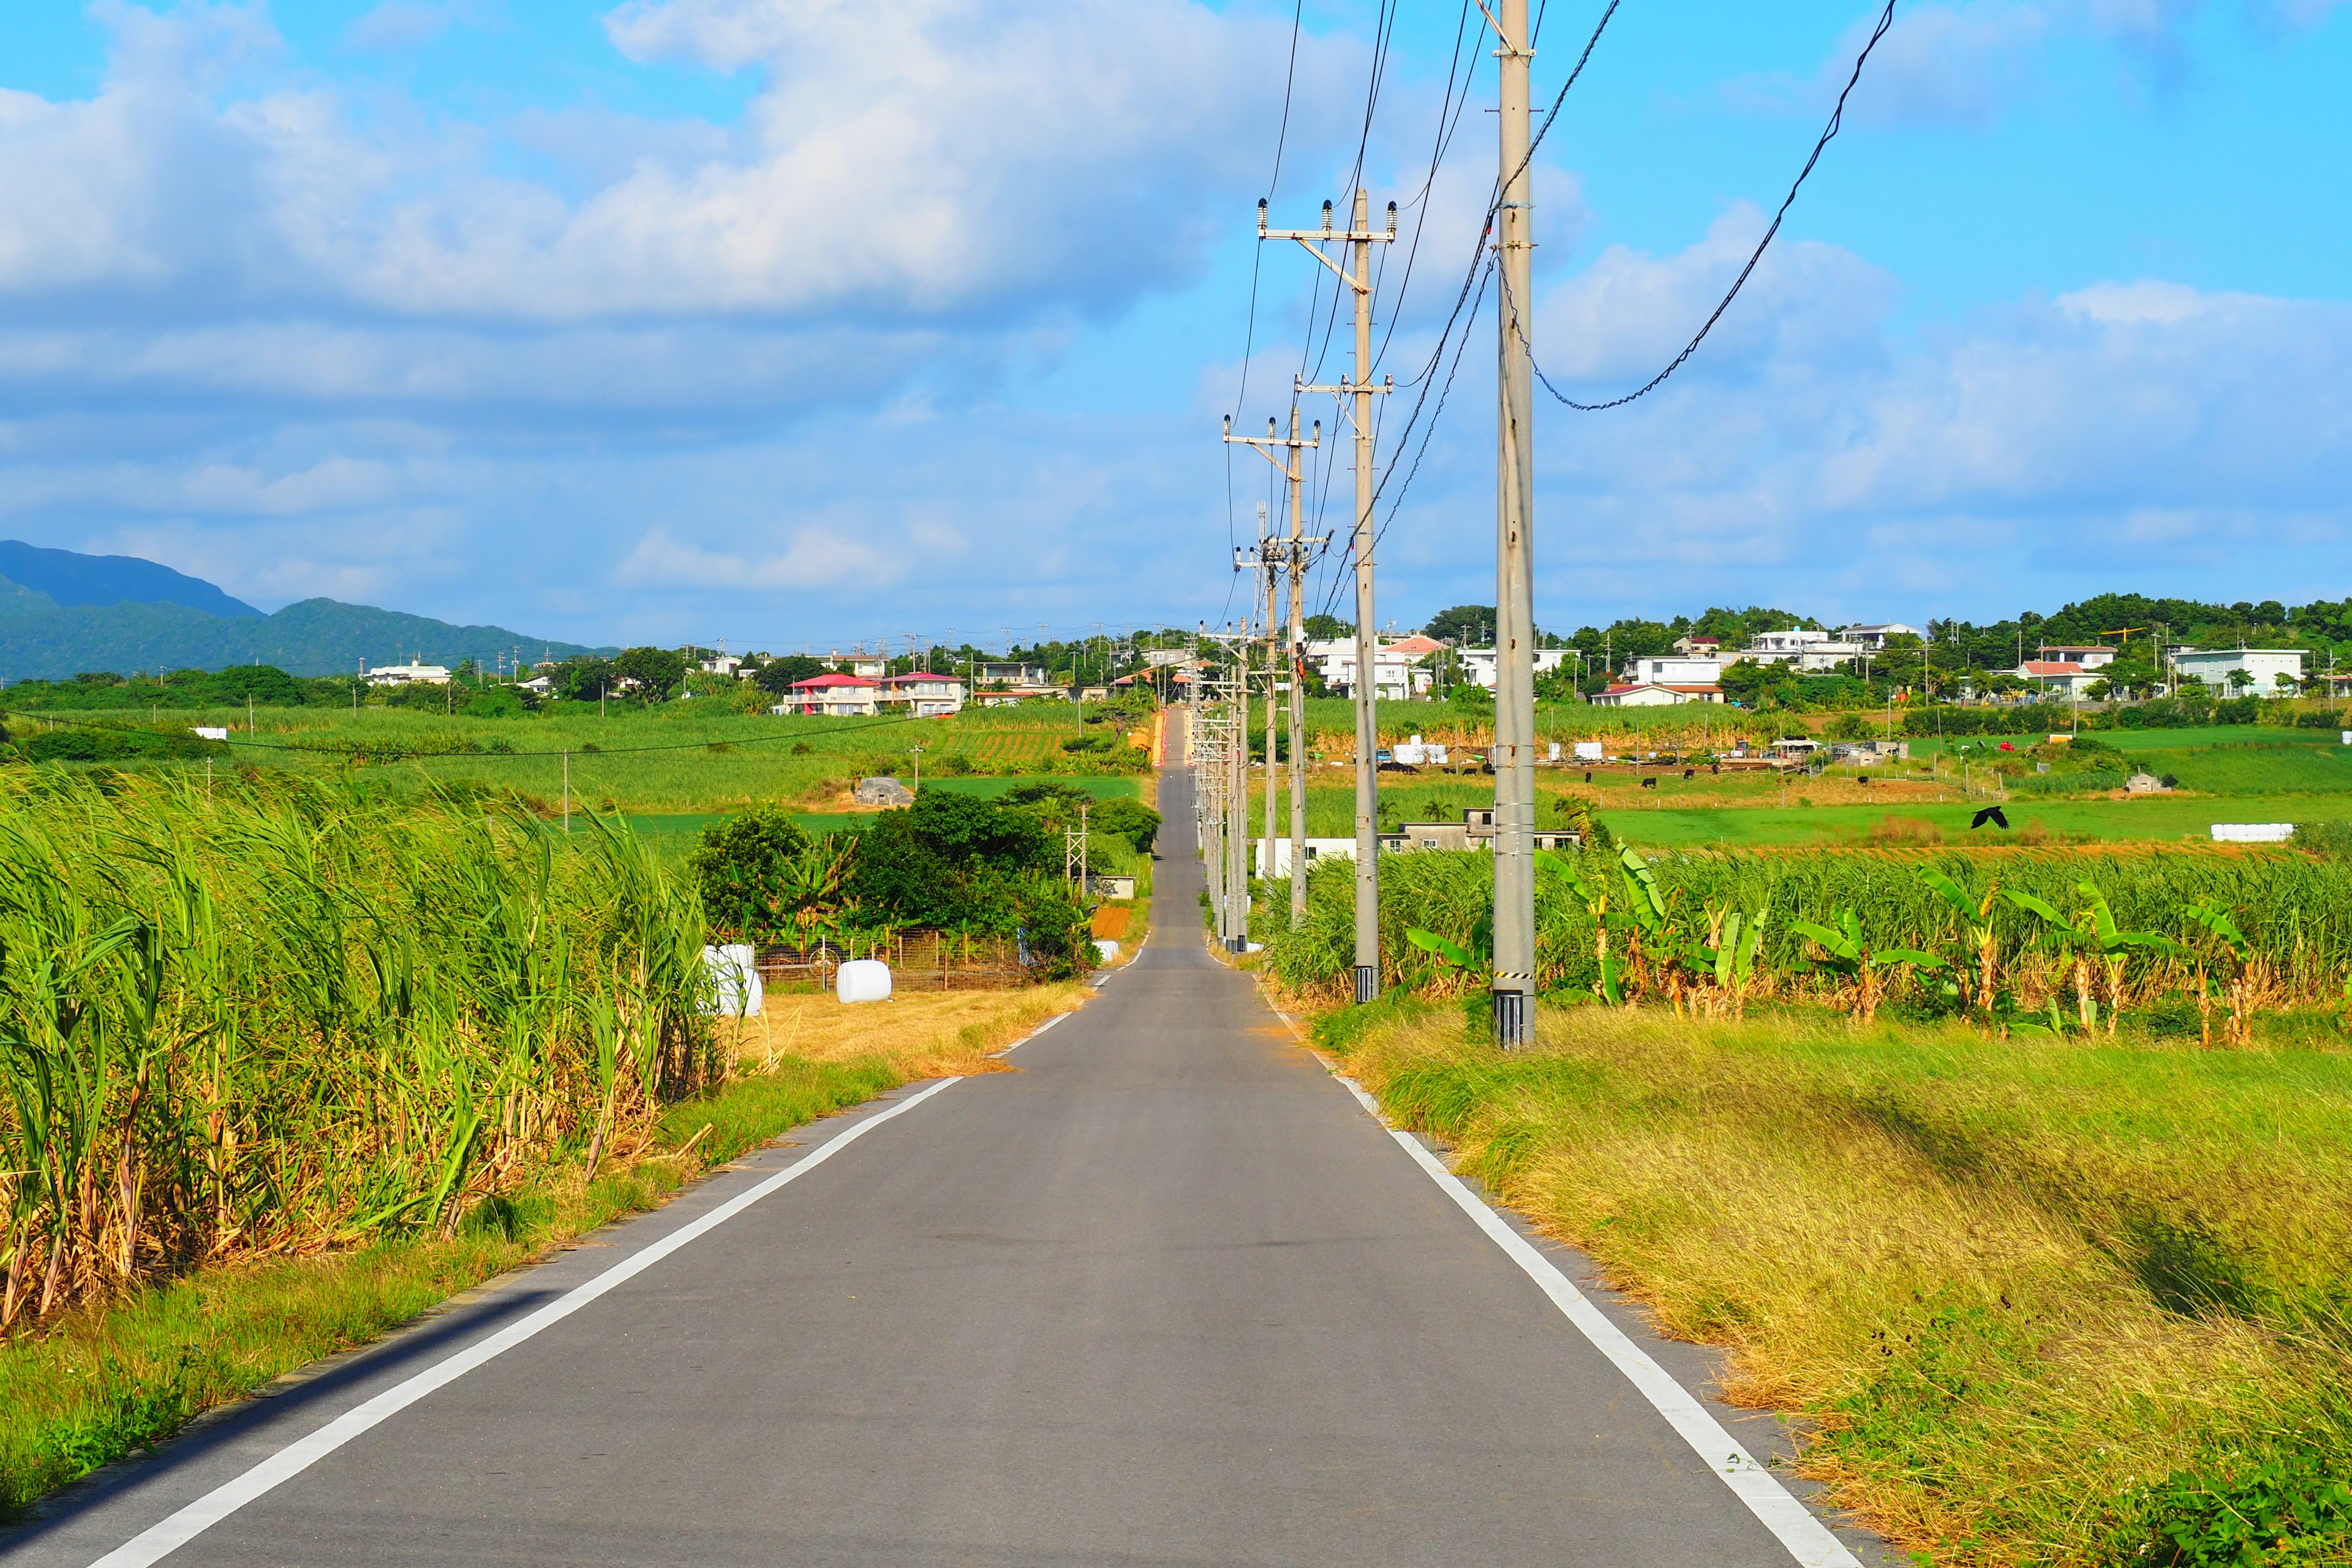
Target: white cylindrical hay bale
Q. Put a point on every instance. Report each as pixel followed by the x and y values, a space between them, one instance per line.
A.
pixel 735 980
pixel 1106 949
pixel 863 980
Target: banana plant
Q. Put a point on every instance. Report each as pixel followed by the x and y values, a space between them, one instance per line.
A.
pixel 1596 904
pixel 1850 953
pixel 1983 942
pixel 1476 959
pixel 2113 945
pixel 1729 954
pixel 2222 939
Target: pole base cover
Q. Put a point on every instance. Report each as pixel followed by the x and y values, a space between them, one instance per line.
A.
pixel 1367 983
pixel 1514 1020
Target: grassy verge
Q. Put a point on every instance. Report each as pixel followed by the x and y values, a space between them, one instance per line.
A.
pixel 103 1382
pixel 2041 1304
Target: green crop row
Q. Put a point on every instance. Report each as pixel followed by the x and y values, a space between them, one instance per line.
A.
pixel 271 1015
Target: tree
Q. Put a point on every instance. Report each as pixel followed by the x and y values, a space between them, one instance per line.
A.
pixel 658 670
pixel 1326 629
pixel 781 674
pixel 1128 819
pixel 586 679
pixel 1465 625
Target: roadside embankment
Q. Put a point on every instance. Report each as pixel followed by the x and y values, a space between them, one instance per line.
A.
pixel 2037 1302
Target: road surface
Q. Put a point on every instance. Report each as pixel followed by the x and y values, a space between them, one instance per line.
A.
pixel 1166 1295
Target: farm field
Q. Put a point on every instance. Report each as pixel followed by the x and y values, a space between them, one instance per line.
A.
pixel 672 833
pixel 2233 775
pixel 681 758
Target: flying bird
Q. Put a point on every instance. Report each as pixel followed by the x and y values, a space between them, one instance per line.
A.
pixel 1990 813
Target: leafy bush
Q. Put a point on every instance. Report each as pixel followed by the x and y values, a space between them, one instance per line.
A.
pixel 80 743
pixel 952 861
pixel 1128 819
pixel 744 868
pixel 2282 1509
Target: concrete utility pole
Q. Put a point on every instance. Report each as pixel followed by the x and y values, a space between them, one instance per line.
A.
pixel 1270 566
pixel 1515 696
pixel 1294 559
pixel 1357 391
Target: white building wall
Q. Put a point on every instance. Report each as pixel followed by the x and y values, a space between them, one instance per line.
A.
pixel 2265 664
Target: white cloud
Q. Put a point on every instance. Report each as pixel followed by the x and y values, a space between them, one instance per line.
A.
pixel 812 558
pixel 935 160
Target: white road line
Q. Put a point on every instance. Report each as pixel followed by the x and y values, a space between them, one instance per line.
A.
pixel 1027 1037
pixel 1808 1540
pixel 159 1541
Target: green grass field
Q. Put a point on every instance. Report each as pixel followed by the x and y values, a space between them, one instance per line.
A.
pixel 681 758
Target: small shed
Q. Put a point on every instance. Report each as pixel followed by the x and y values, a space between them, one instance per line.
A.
pixel 883 790
pixel 2145 784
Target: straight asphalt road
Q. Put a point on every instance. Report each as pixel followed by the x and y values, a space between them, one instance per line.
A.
pixel 1166 1294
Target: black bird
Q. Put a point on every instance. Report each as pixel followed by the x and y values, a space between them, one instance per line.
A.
pixel 1990 813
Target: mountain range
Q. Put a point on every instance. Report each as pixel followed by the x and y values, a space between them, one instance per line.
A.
pixel 63 613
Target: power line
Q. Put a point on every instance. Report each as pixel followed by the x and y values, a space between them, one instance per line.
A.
pixel 1837 116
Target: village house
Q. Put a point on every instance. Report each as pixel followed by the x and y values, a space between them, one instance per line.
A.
pixel 1398 668
pixel 405 674
pixel 1478 664
pixel 834 696
pixel 2263 665
pixel 1653 694
pixel 924 695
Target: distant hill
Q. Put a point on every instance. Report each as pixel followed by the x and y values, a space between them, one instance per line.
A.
pixel 73 579
pixel 48 634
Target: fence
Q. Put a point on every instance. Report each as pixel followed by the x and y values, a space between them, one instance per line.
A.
pixel 919 961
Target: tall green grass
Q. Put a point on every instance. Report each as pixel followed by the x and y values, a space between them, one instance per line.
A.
pixel 273 1016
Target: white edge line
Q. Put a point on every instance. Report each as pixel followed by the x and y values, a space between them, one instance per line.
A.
pixel 159 1540
pixel 1027 1037
pixel 1808 1540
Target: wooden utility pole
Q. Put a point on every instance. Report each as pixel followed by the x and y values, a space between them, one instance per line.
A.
pixel 1356 394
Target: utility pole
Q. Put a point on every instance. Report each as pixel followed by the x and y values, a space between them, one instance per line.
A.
pixel 1356 394
pixel 1294 557
pixel 1515 778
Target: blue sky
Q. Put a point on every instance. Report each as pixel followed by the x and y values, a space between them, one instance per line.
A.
pixel 800 322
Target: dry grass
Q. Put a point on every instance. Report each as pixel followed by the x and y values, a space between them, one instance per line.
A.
pixel 2014 1287
pixel 939 1033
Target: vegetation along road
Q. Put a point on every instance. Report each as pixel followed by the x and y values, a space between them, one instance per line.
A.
pixel 1167 1293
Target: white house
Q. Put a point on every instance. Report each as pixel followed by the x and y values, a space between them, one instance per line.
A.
pixel 723 664
pixel 405 674
pixel 540 684
pixel 1810 651
pixel 1396 674
pixel 924 696
pixel 1478 663
pixel 1651 694
pixel 2089 656
pixel 1674 669
pixel 2060 676
pixel 2214 667
pixel 1874 638
pixel 860 665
